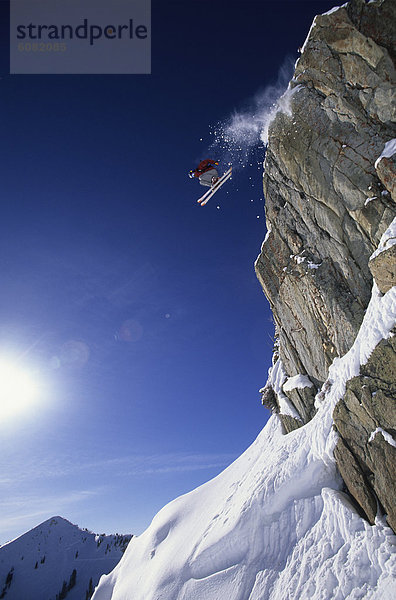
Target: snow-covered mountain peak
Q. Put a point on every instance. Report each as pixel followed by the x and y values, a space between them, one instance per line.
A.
pixel 57 559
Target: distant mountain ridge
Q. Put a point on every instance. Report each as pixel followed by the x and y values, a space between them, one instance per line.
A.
pixel 57 560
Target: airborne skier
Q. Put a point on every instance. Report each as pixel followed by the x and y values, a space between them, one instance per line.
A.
pixel 206 172
pixel 208 176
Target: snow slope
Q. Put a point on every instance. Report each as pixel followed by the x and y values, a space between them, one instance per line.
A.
pixel 35 565
pixel 274 525
pixel 387 240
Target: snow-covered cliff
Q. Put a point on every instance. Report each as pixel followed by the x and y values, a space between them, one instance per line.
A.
pixel 329 181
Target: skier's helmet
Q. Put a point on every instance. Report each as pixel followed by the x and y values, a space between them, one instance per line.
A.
pixel 191 174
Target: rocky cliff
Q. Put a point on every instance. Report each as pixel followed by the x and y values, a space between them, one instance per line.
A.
pixel 330 200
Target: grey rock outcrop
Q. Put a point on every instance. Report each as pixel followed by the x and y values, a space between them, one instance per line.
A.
pixel 303 401
pixel 319 174
pixel 289 423
pixel 328 202
pixel 383 268
pixel 366 461
pixel 386 171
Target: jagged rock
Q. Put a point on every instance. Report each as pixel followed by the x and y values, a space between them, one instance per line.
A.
pixel 377 21
pixel 268 399
pixel 357 483
pixel 289 423
pixel 383 268
pixel 365 460
pixel 386 170
pixel 303 401
pixel 319 174
pixel 328 202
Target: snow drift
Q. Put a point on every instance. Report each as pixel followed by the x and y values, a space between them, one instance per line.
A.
pixel 275 524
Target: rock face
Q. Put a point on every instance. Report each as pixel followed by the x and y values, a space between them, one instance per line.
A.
pixel 383 268
pixel 328 202
pixel 367 408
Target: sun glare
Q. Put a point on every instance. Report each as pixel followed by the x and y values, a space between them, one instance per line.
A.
pixel 18 390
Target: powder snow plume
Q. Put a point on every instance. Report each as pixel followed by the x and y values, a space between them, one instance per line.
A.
pixel 237 139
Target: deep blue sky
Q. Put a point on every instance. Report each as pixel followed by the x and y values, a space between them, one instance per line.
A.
pixel 104 251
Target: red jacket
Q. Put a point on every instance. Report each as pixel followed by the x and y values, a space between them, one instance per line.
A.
pixel 204 165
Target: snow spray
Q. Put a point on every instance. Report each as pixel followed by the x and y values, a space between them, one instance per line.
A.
pixel 242 138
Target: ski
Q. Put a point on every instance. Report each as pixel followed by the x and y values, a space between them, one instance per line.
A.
pixel 215 187
pixel 207 196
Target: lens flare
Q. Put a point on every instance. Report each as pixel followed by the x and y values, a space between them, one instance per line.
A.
pixel 19 391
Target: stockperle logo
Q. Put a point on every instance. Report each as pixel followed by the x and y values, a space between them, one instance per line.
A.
pixel 80 36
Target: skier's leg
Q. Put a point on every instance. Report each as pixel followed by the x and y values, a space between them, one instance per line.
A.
pixel 204 182
pixel 207 177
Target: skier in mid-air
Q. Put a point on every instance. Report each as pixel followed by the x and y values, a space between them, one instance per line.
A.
pixel 208 176
pixel 206 172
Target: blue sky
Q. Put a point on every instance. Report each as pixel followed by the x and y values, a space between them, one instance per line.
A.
pixel 137 310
